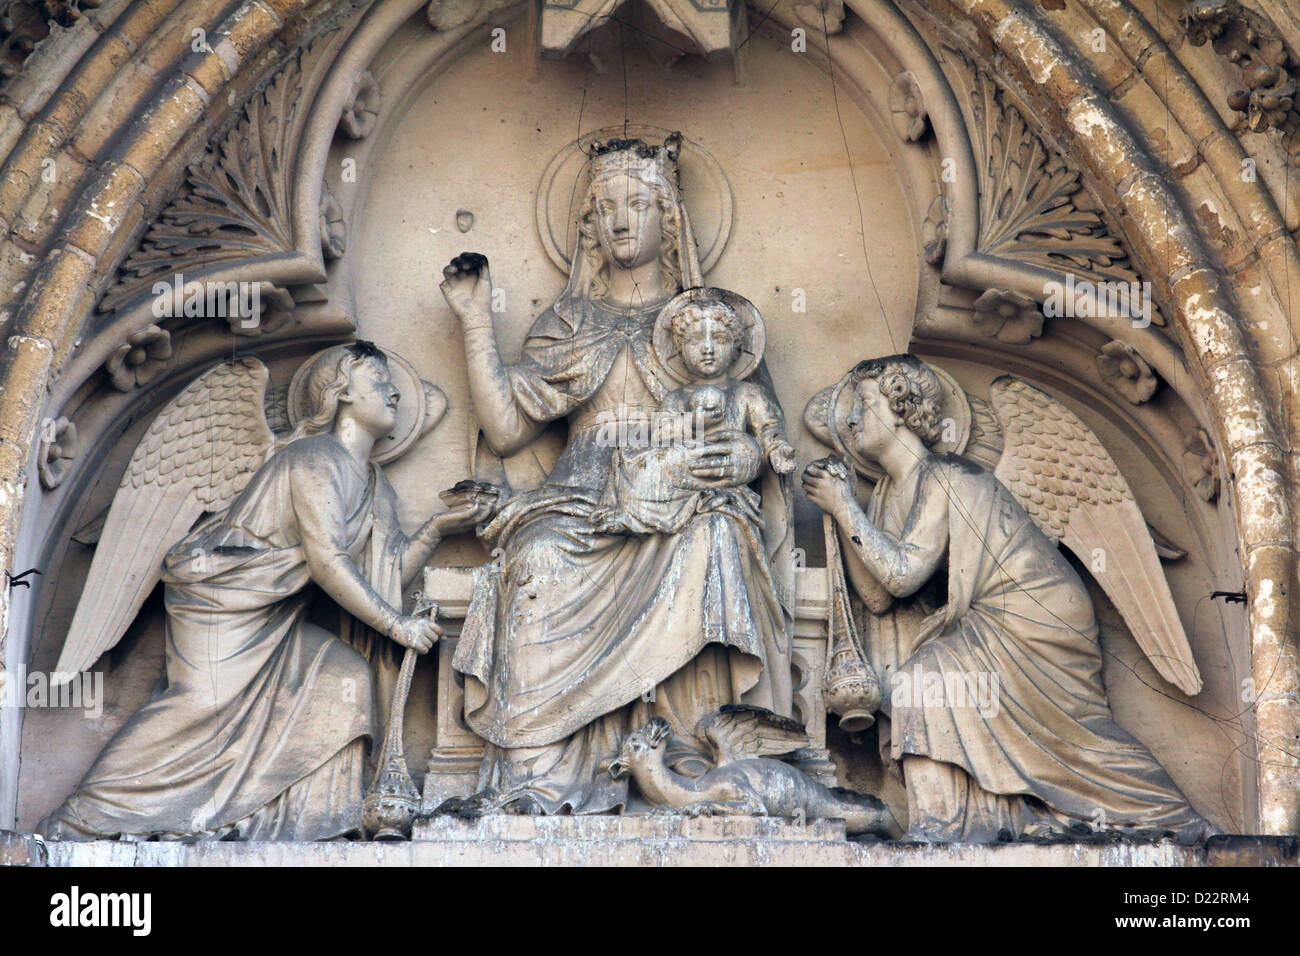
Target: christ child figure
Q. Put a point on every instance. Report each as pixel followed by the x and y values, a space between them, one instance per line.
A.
pixel 711 340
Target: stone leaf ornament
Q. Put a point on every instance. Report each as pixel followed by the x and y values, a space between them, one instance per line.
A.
pixel 235 205
pixel 1065 479
pixel 198 454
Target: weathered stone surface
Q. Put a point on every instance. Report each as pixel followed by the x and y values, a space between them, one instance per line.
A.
pixel 1077 144
pixel 647 841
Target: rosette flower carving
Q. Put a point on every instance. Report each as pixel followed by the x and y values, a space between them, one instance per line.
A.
pixel 934 231
pixel 362 109
pixel 333 230
pixel 1127 372
pixel 141 359
pixel 1008 316
pixel 274 307
pixel 58 447
pixel 1201 464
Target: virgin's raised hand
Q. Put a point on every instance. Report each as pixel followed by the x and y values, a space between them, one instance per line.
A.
pixel 467 286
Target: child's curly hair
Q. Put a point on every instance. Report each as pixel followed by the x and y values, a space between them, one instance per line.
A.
pixel 697 310
pixel 913 391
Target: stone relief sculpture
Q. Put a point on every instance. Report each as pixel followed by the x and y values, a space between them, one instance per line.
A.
pixel 972 186
pixel 579 634
pixel 1040 751
pixel 714 339
pixel 261 730
pixel 634 625
pixel 746 780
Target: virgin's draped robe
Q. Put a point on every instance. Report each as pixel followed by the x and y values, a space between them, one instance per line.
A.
pixel 1019 619
pixel 265 718
pixel 574 638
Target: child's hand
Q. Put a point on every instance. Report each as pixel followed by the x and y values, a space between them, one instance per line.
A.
pixel 783 459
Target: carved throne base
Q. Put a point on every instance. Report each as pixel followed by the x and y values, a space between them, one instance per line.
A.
pixel 458 751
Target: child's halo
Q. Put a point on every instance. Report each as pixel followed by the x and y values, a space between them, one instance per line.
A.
pixel 749 350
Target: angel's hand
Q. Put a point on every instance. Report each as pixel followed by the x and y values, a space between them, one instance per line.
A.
pixel 466 517
pixel 467 286
pixel 417 633
pixel 828 488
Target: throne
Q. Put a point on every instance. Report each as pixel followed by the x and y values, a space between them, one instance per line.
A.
pixel 457 751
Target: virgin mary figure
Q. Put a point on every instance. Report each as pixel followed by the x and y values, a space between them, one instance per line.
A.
pixel 576 637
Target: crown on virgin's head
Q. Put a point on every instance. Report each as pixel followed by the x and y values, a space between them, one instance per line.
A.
pixel 637 156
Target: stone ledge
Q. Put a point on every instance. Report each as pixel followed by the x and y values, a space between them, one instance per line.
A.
pixel 663 841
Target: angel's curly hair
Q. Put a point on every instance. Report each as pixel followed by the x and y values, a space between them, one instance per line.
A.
pixel 696 311
pixel 914 392
pixel 328 378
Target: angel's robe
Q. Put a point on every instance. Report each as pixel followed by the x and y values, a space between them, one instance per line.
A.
pixel 575 638
pixel 265 717
pixel 1001 687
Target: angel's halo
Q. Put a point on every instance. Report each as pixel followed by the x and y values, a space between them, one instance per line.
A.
pixel 421 408
pixel 828 410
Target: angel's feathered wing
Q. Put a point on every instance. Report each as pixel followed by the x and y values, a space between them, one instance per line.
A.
pixel 741 730
pixel 1063 476
pixel 198 454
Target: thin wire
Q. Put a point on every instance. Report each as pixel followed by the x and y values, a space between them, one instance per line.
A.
pixel 853 177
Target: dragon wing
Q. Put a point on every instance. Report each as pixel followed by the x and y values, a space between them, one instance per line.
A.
pixel 1066 480
pixel 741 730
pixel 198 454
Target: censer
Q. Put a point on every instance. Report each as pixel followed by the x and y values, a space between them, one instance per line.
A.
pixel 390 807
pixel 851 686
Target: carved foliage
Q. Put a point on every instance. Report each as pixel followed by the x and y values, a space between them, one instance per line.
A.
pixel 23 25
pixel 1028 208
pixel 1268 69
pixel 235 205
